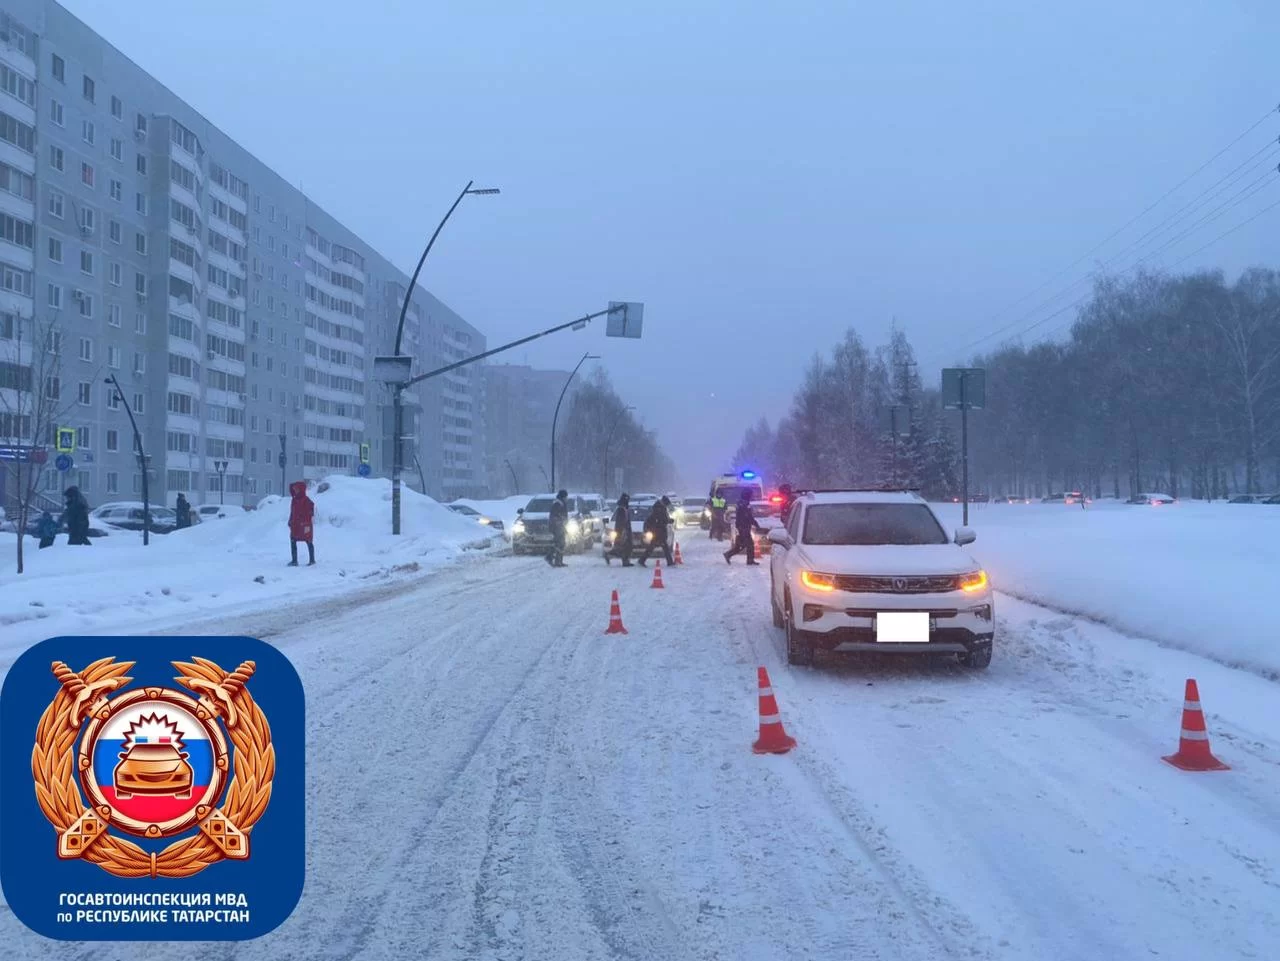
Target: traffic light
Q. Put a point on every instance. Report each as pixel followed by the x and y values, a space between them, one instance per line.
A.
pixel 66 440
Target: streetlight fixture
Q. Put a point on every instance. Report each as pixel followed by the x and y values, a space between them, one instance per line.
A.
pixel 221 467
pixel 556 416
pixel 402 370
pixel 609 440
pixel 142 462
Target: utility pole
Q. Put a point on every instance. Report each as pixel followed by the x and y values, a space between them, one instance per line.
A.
pixel 284 460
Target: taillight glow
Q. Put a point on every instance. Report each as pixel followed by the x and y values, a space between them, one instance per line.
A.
pixel 818 582
pixel 977 581
pixel 775 499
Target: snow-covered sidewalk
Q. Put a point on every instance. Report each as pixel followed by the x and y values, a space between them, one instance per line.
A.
pixel 1194 576
pixel 226 566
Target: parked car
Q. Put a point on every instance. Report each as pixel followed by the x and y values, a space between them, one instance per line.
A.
pixel 207 512
pixel 1256 499
pixel 467 511
pixel 128 516
pixel 1152 499
pixel 876 571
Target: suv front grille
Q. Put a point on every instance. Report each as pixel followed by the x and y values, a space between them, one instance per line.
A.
pixel 906 584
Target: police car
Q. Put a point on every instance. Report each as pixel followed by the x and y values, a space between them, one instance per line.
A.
pixel 870 570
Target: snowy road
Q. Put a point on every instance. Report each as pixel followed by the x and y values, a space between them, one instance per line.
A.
pixel 493 778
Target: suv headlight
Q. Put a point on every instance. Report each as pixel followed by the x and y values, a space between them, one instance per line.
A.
pixel 826 583
pixel 648 536
pixel 572 528
pixel 517 527
pixel 972 583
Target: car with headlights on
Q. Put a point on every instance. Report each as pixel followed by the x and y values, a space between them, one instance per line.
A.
pixel 531 533
pixel 466 510
pixel 640 538
pixel 873 570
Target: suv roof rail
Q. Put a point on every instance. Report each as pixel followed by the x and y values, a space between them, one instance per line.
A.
pixel 858 490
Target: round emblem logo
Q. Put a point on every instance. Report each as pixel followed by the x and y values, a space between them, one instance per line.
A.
pixel 154 762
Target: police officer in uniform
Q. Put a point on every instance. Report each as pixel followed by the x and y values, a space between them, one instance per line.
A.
pixel 559 522
pixel 745 521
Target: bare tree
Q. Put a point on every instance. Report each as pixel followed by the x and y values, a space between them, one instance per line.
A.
pixel 31 405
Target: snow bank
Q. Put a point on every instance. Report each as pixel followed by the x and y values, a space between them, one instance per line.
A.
pixel 233 563
pixel 1190 575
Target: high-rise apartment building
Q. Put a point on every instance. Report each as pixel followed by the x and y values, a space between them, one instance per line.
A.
pixel 139 240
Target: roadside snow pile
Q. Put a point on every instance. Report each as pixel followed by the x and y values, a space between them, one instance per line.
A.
pixel 1190 575
pixel 230 565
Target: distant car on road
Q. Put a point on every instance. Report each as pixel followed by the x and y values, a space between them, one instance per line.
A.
pixel 128 516
pixel 1256 499
pixel 697 511
pixel 875 571
pixel 468 511
pixel 1153 499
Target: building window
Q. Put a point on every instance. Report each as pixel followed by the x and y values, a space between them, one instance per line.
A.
pixel 84 393
pixel 86 350
pixel 113 436
pixel 86 262
pixel 55 296
pixel 87 219
pixel 86 174
pixel 18 133
pixel 117 108
pixel 271 213
pixel 113 482
pixel 113 358
pixel 55 250
pixel 117 149
pixel 113 403
pixel 56 203
pixel 140 284
pixel 139 326
pixel 56 160
pixel 86 304
pixel 113 275
pixel 88 88
pixel 142 205
pixel 59 69
pixel 142 164
pixel 14 181
pixel 139 362
pixel 114 232
pixel 140 243
pixel 84 438
pixel 56 113
pixel 113 315
pixel 116 190
pixel 140 123
pixel 86 131
pixel 139 403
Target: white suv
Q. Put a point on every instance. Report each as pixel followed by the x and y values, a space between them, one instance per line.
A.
pixel 876 571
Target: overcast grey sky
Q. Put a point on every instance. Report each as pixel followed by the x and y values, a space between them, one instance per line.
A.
pixel 760 175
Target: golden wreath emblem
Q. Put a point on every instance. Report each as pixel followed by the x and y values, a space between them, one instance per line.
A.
pixel 152 762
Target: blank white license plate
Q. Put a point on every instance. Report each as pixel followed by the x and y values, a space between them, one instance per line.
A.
pixel 902 627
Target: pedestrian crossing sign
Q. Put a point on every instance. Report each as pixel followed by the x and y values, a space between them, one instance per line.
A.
pixel 66 440
pixel 364 453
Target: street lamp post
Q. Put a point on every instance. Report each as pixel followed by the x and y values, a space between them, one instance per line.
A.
pixel 142 462
pixel 556 416
pixel 221 467
pixel 617 420
pixel 397 389
pixel 284 461
pixel 515 482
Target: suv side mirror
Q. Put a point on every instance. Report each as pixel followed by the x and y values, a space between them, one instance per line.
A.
pixel 779 536
pixel 965 535
pixel 519 511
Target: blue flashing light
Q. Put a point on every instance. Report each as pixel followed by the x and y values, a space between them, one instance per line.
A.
pixel 748 475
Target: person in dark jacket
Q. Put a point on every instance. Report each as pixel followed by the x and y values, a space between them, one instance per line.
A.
pixel 558 521
pixel 745 522
pixel 301 515
pixel 46 529
pixel 657 524
pixel 76 517
pixel 183 508
pixel 622 541
pixel 788 501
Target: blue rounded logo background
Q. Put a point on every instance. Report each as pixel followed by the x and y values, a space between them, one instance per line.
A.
pixel 32 874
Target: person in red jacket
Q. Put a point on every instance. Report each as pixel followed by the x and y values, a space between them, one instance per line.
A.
pixel 301 513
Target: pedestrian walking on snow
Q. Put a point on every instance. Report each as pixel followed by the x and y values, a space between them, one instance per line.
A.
pixel 46 529
pixel 622 540
pixel 745 522
pixel 559 524
pixel 76 517
pixel 183 508
pixel 301 517
pixel 657 524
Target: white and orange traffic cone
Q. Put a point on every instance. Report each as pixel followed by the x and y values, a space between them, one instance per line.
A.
pixel 615 617
pixel 773 736
pixel 657 575
pixel 1193 744
pixel 678 559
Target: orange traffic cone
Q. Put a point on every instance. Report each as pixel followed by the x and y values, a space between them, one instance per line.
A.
pixel 773 737
pixel 657 575
pixel 1193 746
pixel 678 558
pixel 615 617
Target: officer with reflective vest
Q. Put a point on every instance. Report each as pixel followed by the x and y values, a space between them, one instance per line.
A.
pixel 718 507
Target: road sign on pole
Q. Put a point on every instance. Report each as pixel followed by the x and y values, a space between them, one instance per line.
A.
pixel 66 440
pixel 364 470
pixel 364 453
pixel 64 462
pixel 626 319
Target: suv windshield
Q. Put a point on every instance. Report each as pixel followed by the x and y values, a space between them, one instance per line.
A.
pixel 732 493
pixel 869 524
pixel 540 505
